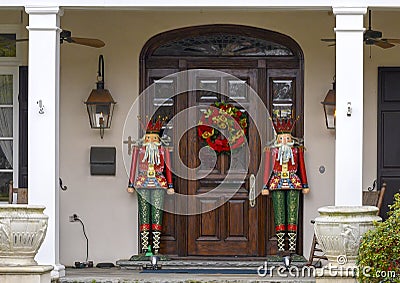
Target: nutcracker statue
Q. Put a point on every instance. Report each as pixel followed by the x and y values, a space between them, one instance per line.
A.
pixel 148 179
pixel 287 179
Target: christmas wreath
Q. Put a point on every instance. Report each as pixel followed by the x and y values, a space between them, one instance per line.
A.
pixel 226 118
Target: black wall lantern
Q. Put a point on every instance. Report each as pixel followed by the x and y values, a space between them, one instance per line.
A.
pixel 329 105
pixel 100 104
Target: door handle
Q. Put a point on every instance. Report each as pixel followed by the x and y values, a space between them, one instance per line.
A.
pixel 252 193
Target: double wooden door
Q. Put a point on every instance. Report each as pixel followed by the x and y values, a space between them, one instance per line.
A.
pixel 229 220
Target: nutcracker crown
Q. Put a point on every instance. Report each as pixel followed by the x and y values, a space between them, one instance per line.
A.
pixel 283 125
pixel 152 126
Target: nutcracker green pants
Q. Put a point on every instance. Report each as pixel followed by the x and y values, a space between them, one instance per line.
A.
pixel 286 207
pixel 151 202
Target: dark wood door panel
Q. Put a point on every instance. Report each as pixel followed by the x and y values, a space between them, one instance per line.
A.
pixel 391 134
pixel 238 220
pixel 221 229
pixel 388 169
pixel 390 85
pixel 392 187
pixel 160 90
pixel 209 221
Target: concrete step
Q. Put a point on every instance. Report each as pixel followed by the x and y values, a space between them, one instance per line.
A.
pixel 118 275
pixel 131 271
pixel 201 264
pixel 219 263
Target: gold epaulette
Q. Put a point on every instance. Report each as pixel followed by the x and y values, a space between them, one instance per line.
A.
pixel 303 147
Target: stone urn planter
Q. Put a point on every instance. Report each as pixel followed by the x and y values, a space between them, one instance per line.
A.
pixel 339 230
pixel 22 231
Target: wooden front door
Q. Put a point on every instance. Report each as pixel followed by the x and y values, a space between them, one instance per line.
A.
pixel 231 229
pixel 272 65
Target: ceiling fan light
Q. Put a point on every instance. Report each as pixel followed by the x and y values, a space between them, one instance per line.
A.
pixel 369 41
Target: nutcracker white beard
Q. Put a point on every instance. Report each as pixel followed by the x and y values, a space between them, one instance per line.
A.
pixel 152 153
pixel 285 153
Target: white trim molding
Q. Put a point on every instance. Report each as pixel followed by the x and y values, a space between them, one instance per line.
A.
pixel 43 10
pixel 349 10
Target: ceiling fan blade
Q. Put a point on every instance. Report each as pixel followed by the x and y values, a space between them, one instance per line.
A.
pixel 391 40
pixel 383 44
pixel 97 43
pixel 328 39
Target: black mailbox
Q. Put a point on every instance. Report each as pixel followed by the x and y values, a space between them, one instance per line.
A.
pixel 102 160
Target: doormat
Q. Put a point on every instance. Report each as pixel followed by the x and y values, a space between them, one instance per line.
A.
pixel 202 271
pixel 144 257
pixel 277 258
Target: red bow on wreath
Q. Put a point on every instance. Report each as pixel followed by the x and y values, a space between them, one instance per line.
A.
pixel 226 118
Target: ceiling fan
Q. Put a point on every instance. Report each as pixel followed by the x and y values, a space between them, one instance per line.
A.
pixel 65 36
pixel 371 37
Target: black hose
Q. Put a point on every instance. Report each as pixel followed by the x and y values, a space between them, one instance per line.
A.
pixel 87 239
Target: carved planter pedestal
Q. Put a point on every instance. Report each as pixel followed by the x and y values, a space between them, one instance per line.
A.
pixel 339 230
pixel 22 231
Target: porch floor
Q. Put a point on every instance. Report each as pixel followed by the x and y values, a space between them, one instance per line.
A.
pixel 132 273
pixel 118 275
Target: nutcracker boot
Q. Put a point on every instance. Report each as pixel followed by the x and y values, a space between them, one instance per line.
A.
pixel 292 212
pixel 144 238
pixel 144 218
pixel 156 215
pixel 156 241
pixel 281 241
pixel 292 242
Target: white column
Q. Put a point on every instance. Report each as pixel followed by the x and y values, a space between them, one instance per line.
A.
pixel 43 126
pixel 349 89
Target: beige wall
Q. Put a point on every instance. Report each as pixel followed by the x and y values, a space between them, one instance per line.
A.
pixel 16 21
pixel 109 213
pixel 10 16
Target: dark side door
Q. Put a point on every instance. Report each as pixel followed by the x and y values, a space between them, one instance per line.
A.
pixel 388 133
pixel 23 128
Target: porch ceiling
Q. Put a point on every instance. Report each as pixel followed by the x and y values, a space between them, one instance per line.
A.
pixel 215 4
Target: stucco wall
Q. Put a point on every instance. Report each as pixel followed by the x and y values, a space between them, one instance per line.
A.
pixel 109 213
pixel 102 202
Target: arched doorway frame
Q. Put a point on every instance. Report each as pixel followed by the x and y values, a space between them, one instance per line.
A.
pixel 147 59
pixel 155 65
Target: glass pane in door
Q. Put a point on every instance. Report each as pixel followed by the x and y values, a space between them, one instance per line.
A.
pixel 282 97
